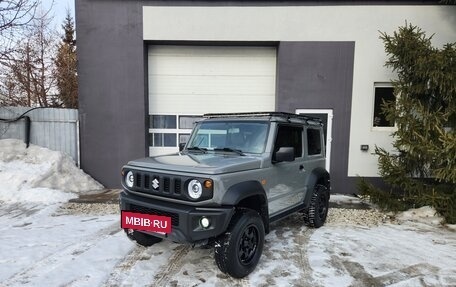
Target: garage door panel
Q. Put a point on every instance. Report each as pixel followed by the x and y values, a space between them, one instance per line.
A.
pixel 203 66
pixel 200 104
pixel 210 85
pixel 211 51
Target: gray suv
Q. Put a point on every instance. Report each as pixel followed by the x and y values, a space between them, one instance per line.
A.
pixel 235 175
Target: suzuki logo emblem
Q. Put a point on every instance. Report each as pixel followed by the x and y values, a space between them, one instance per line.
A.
pixel 155 183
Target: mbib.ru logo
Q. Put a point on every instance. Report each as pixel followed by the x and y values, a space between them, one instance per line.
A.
pixel 145 222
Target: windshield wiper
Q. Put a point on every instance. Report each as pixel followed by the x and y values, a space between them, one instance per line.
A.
pixel 228 149
pixel 201 149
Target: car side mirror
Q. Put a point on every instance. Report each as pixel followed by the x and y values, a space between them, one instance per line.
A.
pixel 181 146
pixel 284 154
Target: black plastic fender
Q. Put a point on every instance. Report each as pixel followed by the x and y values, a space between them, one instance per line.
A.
pixel 242 190
pixel 248 189
pixel 317 175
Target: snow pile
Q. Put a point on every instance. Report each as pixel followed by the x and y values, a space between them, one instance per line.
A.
pixel 425 214
pixel 344 199
pixel 37 195
pixel 40 175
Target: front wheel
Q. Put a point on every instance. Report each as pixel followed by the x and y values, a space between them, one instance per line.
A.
pixel 316 215
pixel 238 251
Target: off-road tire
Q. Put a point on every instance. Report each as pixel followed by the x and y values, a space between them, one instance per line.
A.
pixel 142 239
pixel 305 216
pixel 239 249
pixel 318 209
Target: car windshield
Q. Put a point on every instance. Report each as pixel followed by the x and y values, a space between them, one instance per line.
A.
pixel 230 136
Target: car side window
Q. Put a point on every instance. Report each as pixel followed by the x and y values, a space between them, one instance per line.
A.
pixel 289 136
pixel 313 141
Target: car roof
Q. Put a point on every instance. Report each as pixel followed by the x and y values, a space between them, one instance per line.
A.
pixel 267 116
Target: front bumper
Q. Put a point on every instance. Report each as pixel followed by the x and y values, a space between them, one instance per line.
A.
pixel 185 219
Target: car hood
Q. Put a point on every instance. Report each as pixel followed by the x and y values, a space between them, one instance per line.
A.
pixel 205 163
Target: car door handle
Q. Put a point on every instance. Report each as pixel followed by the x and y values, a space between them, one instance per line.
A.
pixel 301 167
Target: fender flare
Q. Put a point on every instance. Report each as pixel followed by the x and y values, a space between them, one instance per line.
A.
pixel 318 174
pixel 240 191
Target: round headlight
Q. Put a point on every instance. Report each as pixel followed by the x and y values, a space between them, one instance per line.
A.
pixel 195 190
pixel 129 179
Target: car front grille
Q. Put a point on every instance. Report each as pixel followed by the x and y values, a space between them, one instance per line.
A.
pixel 142 209
pixel 165 185
pixel 158 184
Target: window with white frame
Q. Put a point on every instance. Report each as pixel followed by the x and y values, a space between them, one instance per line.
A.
pixel 383 93
pixel 170 130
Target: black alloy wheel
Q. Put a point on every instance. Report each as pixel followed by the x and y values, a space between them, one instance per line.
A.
pixel 248 244
pixel 322 206
pixel 317 213
pixel 238 251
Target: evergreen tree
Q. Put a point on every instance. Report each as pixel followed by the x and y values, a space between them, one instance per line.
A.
pixel 66 66
pixel 422 170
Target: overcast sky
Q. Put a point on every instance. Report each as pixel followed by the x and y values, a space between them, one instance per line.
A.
pixel 58 9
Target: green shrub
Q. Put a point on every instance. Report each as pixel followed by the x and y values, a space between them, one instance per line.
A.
pixel 421 170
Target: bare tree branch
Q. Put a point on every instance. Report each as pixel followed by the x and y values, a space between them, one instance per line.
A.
pixel 14 16
pixel 28 72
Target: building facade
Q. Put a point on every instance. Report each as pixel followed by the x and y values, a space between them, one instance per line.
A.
pixel 149 69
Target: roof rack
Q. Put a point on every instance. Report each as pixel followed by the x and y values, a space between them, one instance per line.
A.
pixel 286 116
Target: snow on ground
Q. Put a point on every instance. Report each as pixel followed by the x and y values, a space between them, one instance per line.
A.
pixel 41 245
pixel 37 247
pixel 90 250
pixel 387 255
pixel 37 174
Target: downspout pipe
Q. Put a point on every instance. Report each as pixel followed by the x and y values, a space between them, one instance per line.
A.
pixel 28 124
pixel 28 127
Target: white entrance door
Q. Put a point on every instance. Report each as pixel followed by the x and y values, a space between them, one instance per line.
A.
pixel 326 115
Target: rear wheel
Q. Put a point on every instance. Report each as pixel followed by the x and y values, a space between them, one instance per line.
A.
pixel 316 215
pixel 238 251
pixel 142 239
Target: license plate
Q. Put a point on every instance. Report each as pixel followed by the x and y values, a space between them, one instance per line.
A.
pixel 145 222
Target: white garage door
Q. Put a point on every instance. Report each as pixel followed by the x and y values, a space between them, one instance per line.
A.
pixel 187 81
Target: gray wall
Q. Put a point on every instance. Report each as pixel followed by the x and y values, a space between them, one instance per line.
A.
pixel 319 75
pixel 111 86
